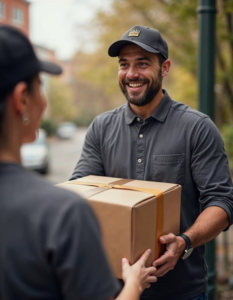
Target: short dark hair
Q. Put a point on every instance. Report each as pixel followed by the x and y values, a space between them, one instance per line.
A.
pixel 161 59
pixel 5 93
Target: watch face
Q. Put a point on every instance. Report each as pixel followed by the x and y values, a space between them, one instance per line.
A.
pixel 187 253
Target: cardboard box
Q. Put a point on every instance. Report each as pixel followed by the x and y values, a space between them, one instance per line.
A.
pixel 133 214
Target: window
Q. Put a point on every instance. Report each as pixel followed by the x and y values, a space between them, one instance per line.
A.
pixel 17 16
pixel 2 10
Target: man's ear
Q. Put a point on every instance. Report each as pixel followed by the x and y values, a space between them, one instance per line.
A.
pixel 166 67
pixel 20 97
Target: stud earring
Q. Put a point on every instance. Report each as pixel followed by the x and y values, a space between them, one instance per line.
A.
pixel 26 120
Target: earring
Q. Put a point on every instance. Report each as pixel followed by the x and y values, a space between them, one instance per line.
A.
pixel 26 120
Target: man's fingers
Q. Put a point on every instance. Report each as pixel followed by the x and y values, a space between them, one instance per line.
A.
pixel 162 273
pixel 145 256
pixel 160 261
pixel 148 286
pixel 163 270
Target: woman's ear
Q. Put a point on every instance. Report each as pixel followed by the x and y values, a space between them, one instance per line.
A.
pixel 166 67
pixel 20 98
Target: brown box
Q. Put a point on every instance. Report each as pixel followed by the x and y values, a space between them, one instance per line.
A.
pixel 133 214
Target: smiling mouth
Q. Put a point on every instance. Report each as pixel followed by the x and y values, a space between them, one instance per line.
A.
pixel 134 85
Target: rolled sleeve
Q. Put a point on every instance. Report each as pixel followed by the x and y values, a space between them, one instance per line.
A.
pixel 210 168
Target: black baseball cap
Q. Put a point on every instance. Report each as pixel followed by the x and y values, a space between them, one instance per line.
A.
pixel 18 60
pixel 147 38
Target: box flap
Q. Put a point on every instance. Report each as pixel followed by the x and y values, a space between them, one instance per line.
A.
pixel 121 197
pixel 97 179
pixel 164 187
pixel 78 189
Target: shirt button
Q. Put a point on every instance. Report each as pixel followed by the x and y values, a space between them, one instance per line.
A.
pixel 141 136
pixel 139 160
pixel 138 119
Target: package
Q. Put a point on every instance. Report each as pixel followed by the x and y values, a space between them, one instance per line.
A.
pixel 133 214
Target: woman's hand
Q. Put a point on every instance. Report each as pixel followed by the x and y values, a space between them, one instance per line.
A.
pixel 138 272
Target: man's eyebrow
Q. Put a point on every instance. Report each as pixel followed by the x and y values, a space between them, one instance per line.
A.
pixel 137 59
pixel 144 58
pixel 121 59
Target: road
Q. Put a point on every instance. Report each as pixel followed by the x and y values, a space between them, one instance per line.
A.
pixel 64 155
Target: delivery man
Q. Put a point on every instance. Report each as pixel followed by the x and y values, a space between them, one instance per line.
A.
pixel 155 138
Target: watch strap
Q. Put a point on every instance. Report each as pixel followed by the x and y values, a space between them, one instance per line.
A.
pixel 187 240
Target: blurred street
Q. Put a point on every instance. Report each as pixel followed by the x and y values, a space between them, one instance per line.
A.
pixel 64 154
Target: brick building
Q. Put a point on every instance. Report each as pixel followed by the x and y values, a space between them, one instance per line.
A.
pixel 15 13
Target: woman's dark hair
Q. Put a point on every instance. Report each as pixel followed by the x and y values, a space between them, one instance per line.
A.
pixel 5 93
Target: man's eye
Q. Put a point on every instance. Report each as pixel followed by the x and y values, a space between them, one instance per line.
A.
pixel 142 64
pixel 123 65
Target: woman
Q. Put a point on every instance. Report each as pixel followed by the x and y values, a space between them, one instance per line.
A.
pixel 49 238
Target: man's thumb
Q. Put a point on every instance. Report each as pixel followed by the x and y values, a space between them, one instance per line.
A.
pixel 163 240
pixel 166 239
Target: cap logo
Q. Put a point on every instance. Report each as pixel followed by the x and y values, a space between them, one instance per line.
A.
pixel 134 32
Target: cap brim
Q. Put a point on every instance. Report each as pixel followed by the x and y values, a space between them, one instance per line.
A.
pixel 115 48
pixel 50 68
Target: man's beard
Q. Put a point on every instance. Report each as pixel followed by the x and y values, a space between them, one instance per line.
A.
pixel 151 91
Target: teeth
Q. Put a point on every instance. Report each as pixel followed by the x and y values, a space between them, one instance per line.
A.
pixel 135 84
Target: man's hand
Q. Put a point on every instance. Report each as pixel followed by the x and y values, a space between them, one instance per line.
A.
pixel 139 272
pixel 175 246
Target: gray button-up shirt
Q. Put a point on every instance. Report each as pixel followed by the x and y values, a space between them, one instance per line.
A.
pixel 175 144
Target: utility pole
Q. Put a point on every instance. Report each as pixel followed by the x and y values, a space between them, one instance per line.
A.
pixel 206 75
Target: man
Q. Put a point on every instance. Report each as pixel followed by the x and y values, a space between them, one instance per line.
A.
pixel 155 138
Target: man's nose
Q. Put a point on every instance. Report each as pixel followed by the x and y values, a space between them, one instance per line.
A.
pixel 132 73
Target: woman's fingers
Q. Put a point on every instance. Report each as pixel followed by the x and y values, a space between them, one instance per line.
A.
pixel 152 279
pixel 145 256
pixel 151 270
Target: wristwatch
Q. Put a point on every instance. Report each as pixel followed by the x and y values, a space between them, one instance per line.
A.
pixel 188 249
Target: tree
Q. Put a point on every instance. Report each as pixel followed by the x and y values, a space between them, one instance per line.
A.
pixel 61 106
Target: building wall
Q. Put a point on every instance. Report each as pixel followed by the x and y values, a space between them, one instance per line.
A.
pixel 15 13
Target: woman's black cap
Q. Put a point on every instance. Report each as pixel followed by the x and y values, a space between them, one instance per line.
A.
pixel 147 38
pixel 18 59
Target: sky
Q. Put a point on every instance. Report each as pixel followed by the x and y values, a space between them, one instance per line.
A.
pixel 61 25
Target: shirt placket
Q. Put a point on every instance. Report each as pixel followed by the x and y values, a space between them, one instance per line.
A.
pixel 140 157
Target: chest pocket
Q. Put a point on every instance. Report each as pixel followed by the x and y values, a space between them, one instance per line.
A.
pixel 169 168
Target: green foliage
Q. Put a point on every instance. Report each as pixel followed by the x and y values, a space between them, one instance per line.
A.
pixel 61 102
pixel 227 135
pixel 49 126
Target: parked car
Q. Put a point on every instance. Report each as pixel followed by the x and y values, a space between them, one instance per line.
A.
pixel 66 130
pixel 35 156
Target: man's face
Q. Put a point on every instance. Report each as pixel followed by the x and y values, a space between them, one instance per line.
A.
pixel 139 75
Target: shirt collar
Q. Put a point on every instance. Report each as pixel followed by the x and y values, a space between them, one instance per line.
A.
pixel 159 114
